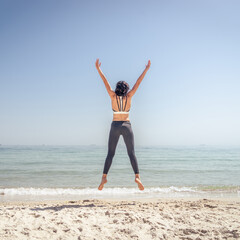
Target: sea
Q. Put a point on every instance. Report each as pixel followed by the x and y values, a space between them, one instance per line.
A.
pixel 34 173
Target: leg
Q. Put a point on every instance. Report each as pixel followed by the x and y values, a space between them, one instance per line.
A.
pixel 112 143
pixel 129 141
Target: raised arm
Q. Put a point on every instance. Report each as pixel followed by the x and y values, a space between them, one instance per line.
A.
pixel 107 85
pixel 135 87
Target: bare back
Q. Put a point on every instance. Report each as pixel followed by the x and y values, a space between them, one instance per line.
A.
pixel 118 106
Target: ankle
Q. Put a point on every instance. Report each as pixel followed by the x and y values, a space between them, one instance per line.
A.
pixel 137 175
pixel 104 175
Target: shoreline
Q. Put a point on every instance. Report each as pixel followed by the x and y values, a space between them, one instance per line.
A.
pixel 113 200
pixel 32 194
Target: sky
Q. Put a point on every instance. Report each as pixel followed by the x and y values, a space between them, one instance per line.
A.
pixel 51 93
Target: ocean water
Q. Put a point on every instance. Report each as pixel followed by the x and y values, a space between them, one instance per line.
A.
pixel 74 172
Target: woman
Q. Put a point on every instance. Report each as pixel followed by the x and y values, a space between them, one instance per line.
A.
pixel 121 103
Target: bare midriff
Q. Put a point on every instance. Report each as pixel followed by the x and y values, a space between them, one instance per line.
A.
pixel 123 116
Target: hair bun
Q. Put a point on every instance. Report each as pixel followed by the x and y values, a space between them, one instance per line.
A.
pixel 121 88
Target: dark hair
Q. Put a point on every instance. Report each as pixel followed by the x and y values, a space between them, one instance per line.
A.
pixel 121 88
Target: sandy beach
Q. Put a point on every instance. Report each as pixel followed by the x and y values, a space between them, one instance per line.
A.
pixel 121 219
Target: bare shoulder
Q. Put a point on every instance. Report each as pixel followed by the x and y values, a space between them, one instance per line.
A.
pixel 130 94
pixel 112 94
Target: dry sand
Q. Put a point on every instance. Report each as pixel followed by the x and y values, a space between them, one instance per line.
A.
pixel 129 219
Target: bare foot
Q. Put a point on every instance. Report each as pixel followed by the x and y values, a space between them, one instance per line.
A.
pixel 140 185
pixel 104 180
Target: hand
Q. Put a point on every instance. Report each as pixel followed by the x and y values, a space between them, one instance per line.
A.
pixel 148 65
pixel 97 64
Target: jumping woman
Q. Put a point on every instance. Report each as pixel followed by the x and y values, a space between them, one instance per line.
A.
pixel 121 103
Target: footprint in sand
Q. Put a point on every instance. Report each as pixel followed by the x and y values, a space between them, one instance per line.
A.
pixel 107 213
pixel 78 221
pixel 58 223
pixel 134 236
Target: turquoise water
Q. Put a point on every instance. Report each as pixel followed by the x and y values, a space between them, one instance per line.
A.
pixel 56 171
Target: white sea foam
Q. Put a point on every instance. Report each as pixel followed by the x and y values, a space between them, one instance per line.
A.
pixel 93 191
pixel 36 194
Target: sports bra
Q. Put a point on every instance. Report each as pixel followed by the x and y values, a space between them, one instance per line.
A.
pixel 120 106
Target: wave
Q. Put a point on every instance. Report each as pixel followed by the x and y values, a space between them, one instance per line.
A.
pixel 88 191
pixel 117 191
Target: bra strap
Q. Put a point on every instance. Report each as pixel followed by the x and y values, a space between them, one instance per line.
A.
pixel 117 103
pixel 125 104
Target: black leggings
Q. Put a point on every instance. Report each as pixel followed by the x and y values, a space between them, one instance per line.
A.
pixel 121 128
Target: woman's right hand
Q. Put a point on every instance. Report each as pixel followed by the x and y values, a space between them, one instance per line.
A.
pixel 97 64
pixel 148 65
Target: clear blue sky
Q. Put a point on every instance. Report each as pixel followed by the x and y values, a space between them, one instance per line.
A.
pixel 51 93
